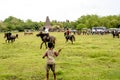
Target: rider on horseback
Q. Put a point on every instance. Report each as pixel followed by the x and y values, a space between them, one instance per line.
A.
pixel 68 32
pixel 69 36
pixel 47 32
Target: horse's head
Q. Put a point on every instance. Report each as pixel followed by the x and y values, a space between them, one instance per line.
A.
pixel 64 33
pixel 7 35
pixel 39 34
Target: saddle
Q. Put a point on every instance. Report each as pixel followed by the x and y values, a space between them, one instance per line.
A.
pixel 47 38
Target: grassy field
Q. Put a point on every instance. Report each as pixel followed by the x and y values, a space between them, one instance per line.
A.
pixel 91 57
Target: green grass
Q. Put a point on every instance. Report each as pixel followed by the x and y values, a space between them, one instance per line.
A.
pixel 91 57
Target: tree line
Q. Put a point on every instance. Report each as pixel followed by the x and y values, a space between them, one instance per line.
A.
pixel 85 21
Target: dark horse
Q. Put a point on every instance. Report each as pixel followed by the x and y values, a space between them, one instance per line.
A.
pixel 115 33
pixel 46 38
pixel 69 37
pixel 10 37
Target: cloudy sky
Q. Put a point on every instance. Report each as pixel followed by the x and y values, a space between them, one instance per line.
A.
pixel 59 10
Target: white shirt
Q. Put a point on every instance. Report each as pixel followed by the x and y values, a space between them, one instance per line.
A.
pixel 46 30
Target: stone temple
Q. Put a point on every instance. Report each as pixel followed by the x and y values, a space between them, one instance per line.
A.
pixel 47 23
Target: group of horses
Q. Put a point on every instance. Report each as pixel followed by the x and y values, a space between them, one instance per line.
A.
pixel 48 38
pixel 44 37
pixel 67 37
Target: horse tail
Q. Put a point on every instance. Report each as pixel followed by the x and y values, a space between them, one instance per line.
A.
pixel 73 37
pixel 54 39
pixel 16 35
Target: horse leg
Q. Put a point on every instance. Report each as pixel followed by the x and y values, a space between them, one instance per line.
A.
pixel 66 40
pixel 14 40
pixel 74 38
pixel 41 45
pixel 54 45
pixel 6 40
pixel 118 35
pixel 113 36
pixel 53 41
pixel 71 40
pixel 11 40
pixel 45 45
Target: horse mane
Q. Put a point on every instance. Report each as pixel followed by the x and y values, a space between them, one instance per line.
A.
pixel 41 34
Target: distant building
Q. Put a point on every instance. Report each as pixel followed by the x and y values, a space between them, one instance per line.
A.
pixel 47 23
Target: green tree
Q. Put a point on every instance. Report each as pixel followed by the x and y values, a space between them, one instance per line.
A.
pixel 80 26
pixel 89 20
pixel 13 23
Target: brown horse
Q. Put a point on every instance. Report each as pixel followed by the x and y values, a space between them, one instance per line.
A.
pixel 46 38
pixel 69 37
pixel 28 33
pixel 9 37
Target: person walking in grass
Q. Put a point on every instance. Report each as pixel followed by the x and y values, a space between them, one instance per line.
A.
pixel 50 54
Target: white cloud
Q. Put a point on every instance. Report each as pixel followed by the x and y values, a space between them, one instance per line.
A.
pixel 60 10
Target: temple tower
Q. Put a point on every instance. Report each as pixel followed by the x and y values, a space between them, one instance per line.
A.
pixel 47 23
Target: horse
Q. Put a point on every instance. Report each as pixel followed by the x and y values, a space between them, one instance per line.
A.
pixel 46 38
pixel 10 37
pixel 115 33
pixel 69 37
pixel 28 33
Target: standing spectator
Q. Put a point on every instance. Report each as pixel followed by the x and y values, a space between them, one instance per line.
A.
pixel 50 54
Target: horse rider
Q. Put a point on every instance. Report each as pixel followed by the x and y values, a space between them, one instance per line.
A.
pixel 68 32
pixel 47 32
